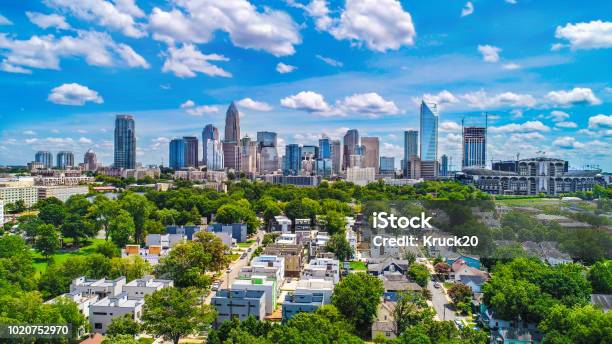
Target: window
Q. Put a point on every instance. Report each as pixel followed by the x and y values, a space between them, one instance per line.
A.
pixel 99 313
pixel 98 326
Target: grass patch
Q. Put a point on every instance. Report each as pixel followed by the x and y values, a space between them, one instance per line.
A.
pixel 40 263
pixel 447 285
pixel 357 265
pixel 232 257
pixel 245 244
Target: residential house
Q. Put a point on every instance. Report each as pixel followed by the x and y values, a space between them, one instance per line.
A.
pixel 139 288
pixel 316 286
pixel 322 268
pixel 165 241
pixel 293 255
pixel 516 336
pixel 266 284
pixel 103 311
pixel 280 223
pixel 238 304
pixel 286 239
pixel 295 303
pixel 100 287
pixel 82 300
pixel 384 324
pixel 461 268
pixel 395 283
pixel 379 266
pixel 237 230
pixel 473 261
pixel 475 282
pixel 187 231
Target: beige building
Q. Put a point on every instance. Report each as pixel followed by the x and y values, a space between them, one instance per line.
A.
pixel 360 175
pixel 12 194
pixel 61 192
pixel 371 152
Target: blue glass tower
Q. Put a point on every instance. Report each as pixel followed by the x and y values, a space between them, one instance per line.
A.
pixel 125 142
pixel 325 148
pixel 429 131
pixel 177 154
pixel 293 159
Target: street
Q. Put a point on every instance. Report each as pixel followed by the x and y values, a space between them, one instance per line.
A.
pixel 440 302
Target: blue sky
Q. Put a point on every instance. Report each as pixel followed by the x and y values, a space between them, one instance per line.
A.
pixel 306 68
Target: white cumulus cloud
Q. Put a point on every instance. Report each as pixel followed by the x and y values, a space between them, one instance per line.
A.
pixel 254 105
pixel 330 61
pixel 187 61
pixel 482 100
pixel 46 52
pixel 592 35
pixel 566 124
pixel 568 142
pixel 530 126
pixel 104 13
pixel 46 21
pixel 368 103
pixel 307 101
pixel 558 116
pixel 191 108
pixel 577 95
pixel 380 25
pixel 600 121
pixel 489 53
pixel 74 94
pixel 5 21
pixel 196 21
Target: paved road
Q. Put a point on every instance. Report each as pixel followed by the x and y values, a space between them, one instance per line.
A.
pixel 228 278
pixel 440 303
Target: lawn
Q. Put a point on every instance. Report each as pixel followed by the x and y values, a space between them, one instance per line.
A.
pixel 358 265
pixel 232 256
pixel 246 244
pixel 40 263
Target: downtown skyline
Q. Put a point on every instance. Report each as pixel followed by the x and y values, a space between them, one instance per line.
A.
pixel 540 96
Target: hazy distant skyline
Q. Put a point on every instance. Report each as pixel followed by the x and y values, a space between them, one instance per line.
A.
pixel 305 68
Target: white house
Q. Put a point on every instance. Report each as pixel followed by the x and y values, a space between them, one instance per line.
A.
pixel 138 288
pixel 260 283
pixel 166 241
pixel 101 287
pixel 314 286
pixel 103 311
pixel 322 268
pixel 270 261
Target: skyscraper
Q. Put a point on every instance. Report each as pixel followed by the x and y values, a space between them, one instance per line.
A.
pixel 248 155
pixel 214 155
pixel 177 154
pixel 387 165
pixel 44 157
pixel 411 148
pixel 325 148
pixel 90 160
pixel 429 132
pixel 231 149
pixel 191 151
pixel 65 159
pixel 351 141
pixel 293 159
pixel 474 147
pixel 125 142
pixel 232 124
pixel 371 146
pixel 210 132
pixel 444 165
pixel 336 156
pixel 268 153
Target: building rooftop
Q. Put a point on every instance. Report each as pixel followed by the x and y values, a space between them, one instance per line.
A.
pixel 120 300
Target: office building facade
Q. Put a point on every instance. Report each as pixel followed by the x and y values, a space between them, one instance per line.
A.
pixel 210 132
pixel 231 149
pixel 90 161
pixel 293 160
pixel 351 142
pixel 125 142
pixel 268 152
pixel 65 159
pixel 429 131
pixel 191 151
pixel 474 147
pixel 336 156
pixel 387 165
pixel 44 157
pixel 371 152
pixel 411 148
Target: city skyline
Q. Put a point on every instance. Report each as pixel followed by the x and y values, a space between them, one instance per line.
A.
pixel 539 83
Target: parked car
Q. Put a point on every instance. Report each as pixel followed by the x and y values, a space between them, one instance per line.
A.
pixel 216 285
pixel 228 270
pixel 436 285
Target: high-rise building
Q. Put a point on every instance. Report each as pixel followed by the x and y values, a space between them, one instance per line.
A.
pixel 444 165
pixel 191 151
pixel 429 169
pixel 351 141
pixel 232 124
pixel 474 147
pixel 65 159
pixel 210 132
pixel 336 156
pixel 371 147
pixel 324 167
pixel 268 152
pixel 293 159
pixel 429 131
pixel 387 165
pixel 231 144
pixel 177 154
pixel 125 142
pixel 310 151
pixel 411 148
pixel 248 155
pixel 325 148
pixel 90 161
pixel 214 155
pixel 44 157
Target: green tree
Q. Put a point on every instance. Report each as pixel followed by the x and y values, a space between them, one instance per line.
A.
pixel 600 276
pixel 410 309
pixel 303 208
pixel 340 246
pixel 123 325
pixel 120 339
pixel 53 214
pixel 102 211
pixel 173 313
pixel 357 297
pixel 460 292
pixel 77 228
pixel 419 274
pixel 578 325
pixel 335 222
pixel 16 268
pixel 121 228
pixel 139 208
pixel 108 249
pixel 47 240
pixel 132 267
